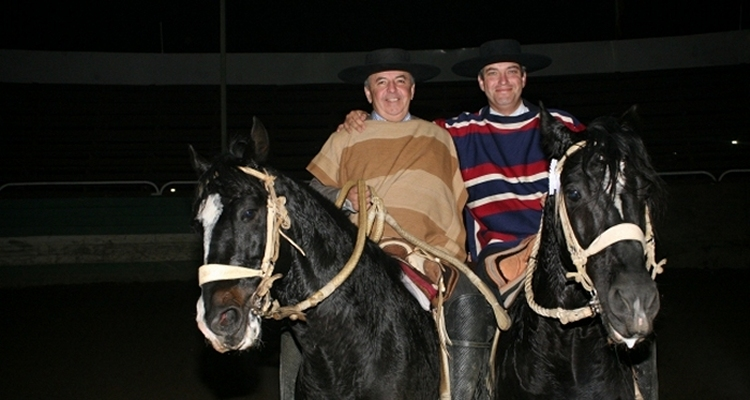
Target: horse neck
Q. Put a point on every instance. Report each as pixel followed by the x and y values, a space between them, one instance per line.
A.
pixel 324 234
pixel 362 305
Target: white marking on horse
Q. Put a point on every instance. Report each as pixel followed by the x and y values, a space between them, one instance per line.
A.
pixel 200 318
pixel 208 214
pixel 619 186
pixel 639 316
pixel 640 324
pixel 619 338
pixel 252 330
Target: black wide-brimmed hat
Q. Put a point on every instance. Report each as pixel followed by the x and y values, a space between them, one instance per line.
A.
pixel 388 60
pixel 501 50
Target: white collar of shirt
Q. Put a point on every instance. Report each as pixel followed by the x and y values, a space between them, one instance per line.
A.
pixel 522 109
pixel 376 117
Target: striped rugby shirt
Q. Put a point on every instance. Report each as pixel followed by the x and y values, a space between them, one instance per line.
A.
pixel 506 175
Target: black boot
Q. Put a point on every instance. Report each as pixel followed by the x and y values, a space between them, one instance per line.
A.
pixel 470 325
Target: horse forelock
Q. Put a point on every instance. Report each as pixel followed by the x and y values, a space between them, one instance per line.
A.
pixel 626 158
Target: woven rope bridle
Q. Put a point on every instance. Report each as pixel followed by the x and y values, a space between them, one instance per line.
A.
pixel 277 218
pixel 579 255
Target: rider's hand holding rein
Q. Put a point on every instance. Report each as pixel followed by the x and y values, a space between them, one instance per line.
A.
pixel 353 197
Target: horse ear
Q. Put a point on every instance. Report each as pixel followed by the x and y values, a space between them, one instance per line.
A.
pixel 556 137
pixel 199 164
pixel 631 118
pixel 254 146
pixel 260 139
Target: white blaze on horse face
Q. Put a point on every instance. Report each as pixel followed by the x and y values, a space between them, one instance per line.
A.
pixel 208 214
pixel 619 186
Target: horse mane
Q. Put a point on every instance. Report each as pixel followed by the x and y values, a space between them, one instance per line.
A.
pixel 616 139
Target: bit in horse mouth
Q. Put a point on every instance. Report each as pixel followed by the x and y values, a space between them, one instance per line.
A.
pixel 619 338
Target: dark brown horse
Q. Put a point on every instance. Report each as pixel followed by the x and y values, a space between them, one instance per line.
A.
pixel 596 229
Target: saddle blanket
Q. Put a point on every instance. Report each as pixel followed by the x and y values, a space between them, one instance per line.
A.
pixel 425 277
pixel 505 271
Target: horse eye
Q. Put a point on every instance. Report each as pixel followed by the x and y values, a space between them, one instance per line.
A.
pixel 573 194
pixel 247 215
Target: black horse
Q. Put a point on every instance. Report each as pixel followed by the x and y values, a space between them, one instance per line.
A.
pixel 370 339
pixel 606 181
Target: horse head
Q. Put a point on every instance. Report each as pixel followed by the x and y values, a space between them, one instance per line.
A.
pixel 230 211
pixel 605 198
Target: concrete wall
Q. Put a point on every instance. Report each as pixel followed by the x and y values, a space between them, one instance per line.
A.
pixel 84 240
pixel 694 51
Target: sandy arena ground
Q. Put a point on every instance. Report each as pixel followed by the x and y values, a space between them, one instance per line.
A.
pixel 140 341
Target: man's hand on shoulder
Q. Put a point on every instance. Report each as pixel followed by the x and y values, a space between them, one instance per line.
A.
pixel 354 122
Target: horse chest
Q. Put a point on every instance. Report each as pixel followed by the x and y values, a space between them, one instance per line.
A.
pixel 546 360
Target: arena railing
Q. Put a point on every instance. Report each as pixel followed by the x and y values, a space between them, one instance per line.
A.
pixel 160 190
pixel 157 190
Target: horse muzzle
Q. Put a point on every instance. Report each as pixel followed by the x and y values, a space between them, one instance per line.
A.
pixel 630 309
pixel 227 328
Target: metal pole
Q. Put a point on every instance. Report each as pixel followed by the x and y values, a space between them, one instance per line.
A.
pixel 223 58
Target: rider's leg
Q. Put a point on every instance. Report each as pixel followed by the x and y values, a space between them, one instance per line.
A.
pixel 470 325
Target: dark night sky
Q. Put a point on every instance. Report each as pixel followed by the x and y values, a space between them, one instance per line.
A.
pixel 192 26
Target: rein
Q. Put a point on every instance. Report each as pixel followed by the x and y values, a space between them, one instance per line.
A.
pixel 277 218
pixel 579 255
pixel 377 216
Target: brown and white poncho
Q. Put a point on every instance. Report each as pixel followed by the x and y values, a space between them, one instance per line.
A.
pixel 413 167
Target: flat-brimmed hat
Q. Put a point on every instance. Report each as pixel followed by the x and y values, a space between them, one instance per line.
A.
pixel 388 60
pixel 500 50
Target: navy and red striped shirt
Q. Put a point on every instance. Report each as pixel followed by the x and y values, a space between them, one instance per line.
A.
pixel 506 175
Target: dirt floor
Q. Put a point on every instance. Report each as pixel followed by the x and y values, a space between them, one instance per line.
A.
pixel 140 341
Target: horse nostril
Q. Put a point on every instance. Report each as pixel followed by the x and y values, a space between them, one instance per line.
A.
pixel 622 302
pixel 226 319
pixel 654 304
